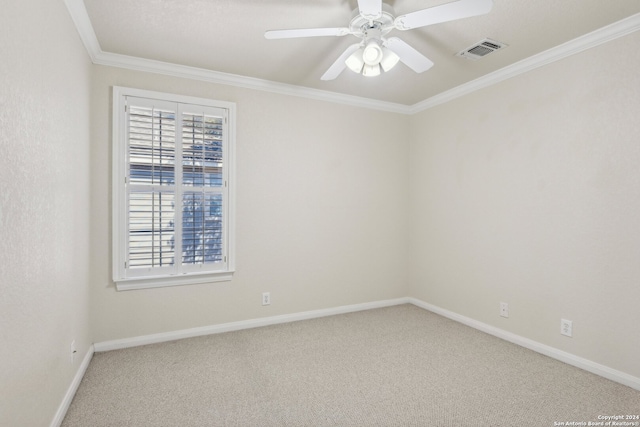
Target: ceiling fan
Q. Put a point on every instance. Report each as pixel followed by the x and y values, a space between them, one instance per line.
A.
pixel 371 22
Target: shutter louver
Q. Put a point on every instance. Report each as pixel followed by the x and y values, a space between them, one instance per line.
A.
pixel 201 150
pixel 151 229
pixel 151 159
pixel 152 146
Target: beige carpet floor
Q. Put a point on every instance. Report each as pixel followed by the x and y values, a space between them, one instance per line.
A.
pixel 396 366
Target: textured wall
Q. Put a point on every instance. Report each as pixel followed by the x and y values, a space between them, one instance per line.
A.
pixel 528 192
pixel 44 208
pixel 321 211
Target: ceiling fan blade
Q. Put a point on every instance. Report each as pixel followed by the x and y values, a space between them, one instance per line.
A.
pixel 370 9
pixel 444 13
pixel 306 32
pixel 408 55
pixel 338 66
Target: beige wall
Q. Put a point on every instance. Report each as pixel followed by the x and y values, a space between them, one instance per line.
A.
pixel 528 192
pixel 322 199
pixel 44 208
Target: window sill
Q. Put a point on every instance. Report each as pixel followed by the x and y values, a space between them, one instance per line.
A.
pixel 176 280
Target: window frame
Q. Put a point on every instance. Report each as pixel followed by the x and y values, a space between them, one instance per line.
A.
pixel 120 240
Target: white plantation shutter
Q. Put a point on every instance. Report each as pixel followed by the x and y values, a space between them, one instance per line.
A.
pixel 172 209
pixel 151 159
pixel 203 179
pixel 151 229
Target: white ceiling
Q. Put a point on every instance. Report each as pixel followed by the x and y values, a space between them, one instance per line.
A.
pixel 228 36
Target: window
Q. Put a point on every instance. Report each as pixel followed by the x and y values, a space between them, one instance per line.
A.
pixel 172 189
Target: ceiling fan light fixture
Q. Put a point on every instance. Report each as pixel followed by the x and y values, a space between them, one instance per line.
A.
pixel 389 59
pixel 371 70
pixel 372 53
pixel 355 62
pixel 379 59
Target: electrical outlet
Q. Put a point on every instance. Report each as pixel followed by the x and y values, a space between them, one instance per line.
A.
pixel 266 298
pixel 73 351
pixel 504 309
pixel 566 327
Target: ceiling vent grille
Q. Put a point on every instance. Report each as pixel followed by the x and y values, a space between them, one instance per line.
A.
pixel 481 49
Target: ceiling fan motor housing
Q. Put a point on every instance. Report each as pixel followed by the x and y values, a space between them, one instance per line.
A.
pixel 362 27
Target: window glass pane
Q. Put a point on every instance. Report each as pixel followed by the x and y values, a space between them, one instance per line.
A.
pixel 201 150
pixel 152 146
pixel 151 229
pixel 201 228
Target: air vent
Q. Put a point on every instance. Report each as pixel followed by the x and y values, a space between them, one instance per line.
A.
pixel 481 49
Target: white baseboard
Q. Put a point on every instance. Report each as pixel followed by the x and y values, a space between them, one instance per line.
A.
pixel 71 391
pixel 579 362
pixel 244 324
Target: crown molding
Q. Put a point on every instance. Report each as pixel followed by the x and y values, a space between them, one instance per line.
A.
pixel 175 70
pixel 82 22
pixel 595 38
